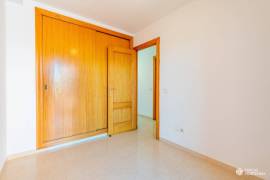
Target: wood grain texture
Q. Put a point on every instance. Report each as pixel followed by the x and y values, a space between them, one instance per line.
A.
pixel 72 77
pixel 103 41
pixel 69 74
pixel 122 76
pixel 154 42
pixel 39 80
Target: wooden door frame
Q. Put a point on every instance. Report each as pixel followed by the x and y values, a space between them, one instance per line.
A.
pixel 154 42
pixel 39 13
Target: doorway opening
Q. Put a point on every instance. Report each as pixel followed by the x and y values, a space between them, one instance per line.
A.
pixel 148 86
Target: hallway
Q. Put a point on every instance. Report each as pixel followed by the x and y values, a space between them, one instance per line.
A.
pixel 130 156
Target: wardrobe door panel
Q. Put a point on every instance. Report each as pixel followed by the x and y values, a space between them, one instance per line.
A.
pixel 69 79
pixel 122 90
pixel 103 42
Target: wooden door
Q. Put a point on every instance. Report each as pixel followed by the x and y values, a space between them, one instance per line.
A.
pixel 69 80
pixel 103 41
pixel 122 84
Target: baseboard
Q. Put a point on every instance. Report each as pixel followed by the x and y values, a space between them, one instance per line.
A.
pixel 57 147
pixel 204 157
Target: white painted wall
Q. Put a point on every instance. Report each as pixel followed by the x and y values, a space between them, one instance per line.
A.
pixel 21 82
pixel 145 81
pixel 215 79
pixel 21 125
pixel 2 86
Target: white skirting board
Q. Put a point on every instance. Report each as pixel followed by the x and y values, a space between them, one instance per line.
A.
pixel 57 147
pixel 204 157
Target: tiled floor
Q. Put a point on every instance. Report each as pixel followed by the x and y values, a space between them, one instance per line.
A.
pixel 130 156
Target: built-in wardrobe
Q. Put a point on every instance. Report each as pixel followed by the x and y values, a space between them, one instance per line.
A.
pixel 86 80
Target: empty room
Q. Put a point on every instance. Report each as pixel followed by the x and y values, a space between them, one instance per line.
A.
pixel 134 89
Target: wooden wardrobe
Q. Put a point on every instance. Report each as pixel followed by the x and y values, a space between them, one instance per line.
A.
pixel 73 92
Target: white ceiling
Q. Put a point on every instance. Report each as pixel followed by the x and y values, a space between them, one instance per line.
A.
pixel 128 15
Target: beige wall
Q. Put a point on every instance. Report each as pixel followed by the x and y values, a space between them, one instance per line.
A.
pixel 215 79
pixel 2 86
